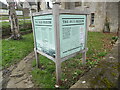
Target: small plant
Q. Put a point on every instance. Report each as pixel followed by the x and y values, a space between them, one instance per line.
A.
pixel 115 38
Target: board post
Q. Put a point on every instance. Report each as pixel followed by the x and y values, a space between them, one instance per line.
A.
pixel 84 58
pixel 37 59
pixel 35 48
pixel 57 41
pixel 84 53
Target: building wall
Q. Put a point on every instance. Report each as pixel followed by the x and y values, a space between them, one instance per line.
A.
pixel 112 14
pixel 99 9
pixel 99 16
pixel 103 10
pixel 43 5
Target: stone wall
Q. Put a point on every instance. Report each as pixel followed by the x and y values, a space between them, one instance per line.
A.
pixel 99 16
pixel 101 10
pixel 112 14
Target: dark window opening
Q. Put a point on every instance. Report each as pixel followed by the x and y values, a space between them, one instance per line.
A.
pixel 77 4
pixel 48 5
pixel 92 19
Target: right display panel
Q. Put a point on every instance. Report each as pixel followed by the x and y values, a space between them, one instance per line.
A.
pixel 72 34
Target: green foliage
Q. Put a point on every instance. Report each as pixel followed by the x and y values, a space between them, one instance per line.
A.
pixel 13 50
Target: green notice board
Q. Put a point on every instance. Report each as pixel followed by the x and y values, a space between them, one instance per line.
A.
pixel 72 34
pixel 44 34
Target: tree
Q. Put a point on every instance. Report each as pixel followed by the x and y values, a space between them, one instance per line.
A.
pixel 20 6
pixel 13 20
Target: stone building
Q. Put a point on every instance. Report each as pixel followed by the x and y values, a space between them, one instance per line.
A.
pixel 103 15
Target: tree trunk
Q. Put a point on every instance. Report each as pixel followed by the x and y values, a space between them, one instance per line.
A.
pixel 23 18
pixel 14 21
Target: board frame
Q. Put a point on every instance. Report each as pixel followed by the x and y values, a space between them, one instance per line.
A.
pixel 58 60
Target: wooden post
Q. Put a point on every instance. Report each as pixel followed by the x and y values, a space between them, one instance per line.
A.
pixel 57 41
pixel 37 58
pixel 84 53
pixel 84 58
pixel 35 48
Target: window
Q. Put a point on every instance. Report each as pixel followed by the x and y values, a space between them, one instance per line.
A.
pixel 48 5
pixel 92 19
pixel 77 4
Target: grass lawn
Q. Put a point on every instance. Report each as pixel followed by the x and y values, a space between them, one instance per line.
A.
pixel 20 22
pixel 23 26
pixel 6 24
pixel 7 17
pixel 15 50
pixel 99 45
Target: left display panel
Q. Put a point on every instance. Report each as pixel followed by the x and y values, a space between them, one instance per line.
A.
pixel 44 34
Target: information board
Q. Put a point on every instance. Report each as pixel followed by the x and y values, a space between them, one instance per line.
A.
pixel 44 34
pixel 72 34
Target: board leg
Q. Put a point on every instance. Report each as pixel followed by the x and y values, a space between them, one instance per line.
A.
pixel 58 73
pixel 37 59
pixel 84 57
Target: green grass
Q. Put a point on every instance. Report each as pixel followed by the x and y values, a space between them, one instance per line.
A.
pixel 8 23
pixel 15 50
pixel 7 17
pixel 24 27
pixel 47 78
pixel 99 45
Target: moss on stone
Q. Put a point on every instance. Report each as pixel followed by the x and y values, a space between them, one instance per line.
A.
pixel 95 81
pixel 114 74
pixel 108 83
pixel 116 66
